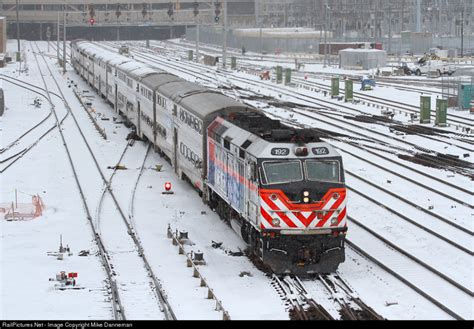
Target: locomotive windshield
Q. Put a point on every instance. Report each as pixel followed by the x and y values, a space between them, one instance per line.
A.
pixel 283 172
pixel 325 171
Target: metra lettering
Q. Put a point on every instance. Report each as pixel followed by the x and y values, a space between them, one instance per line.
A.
pixel 189 154
pixel 190 120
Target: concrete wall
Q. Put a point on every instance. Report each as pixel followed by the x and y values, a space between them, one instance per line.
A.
pixel 37 31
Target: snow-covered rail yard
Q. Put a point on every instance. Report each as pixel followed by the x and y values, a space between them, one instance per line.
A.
pixel 409 246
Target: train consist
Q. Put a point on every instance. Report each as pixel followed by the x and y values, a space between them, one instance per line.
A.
pixel 281 189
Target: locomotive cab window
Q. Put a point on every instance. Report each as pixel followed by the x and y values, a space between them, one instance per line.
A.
pixel 282 172
pixel 324 171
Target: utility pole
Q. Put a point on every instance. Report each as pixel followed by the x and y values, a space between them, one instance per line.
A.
pixel 57 44
pixel 390 29
pixel 196 14
pixel 258 22
pixel 418 15
pixel 224 48
pixel 18 56
pixel 64 41
pixel 462 33
pixel 326 7
pixel 48 36
pixel 197 42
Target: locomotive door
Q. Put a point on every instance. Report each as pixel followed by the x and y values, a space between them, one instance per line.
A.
pixel 139 130
pixel 116 99
pixel 252 198
pixel 175 149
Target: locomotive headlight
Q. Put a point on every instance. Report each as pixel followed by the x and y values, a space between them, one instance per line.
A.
pixel 301 151
pixel 306 200
pixel 306 194
pixel 276 222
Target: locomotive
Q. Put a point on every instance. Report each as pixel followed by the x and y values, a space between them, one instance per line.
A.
pixel 281 189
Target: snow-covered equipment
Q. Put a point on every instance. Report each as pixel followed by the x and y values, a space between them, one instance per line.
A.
pixel 18 211
pixel 367 84
pixel 281 189
pixel 183 235
pixel 67 282
pixel 441 112
pixel 349 90
pixel 265 75
pixel 124 50
pixel 334 87
pixel 430 63
pixel 198 258
pixel 425 109
pixel 279 74
pixel 168 188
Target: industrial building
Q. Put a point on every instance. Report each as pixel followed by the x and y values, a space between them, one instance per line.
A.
pixel 118 19
pixel 350 18
pixel 362 59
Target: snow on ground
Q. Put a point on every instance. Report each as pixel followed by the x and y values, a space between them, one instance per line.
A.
pixel 224 271
pixel 426 248
pixel 25 291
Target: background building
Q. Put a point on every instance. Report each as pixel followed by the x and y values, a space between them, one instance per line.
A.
pixel 349 20
pixel 370 18
pixel 127 19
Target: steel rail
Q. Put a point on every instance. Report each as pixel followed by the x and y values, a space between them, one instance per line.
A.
pixel 116 304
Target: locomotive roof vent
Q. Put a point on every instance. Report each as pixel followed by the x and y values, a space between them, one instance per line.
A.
pixel 282 135
pixel 272 130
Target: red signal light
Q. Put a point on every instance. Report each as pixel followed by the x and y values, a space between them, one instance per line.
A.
pixel 168 186
pixel 92 21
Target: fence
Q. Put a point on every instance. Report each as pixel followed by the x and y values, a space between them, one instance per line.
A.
pixel 212 35
pixel 15 211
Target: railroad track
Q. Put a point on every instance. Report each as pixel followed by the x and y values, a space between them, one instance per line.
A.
pixel 304 306
pixel 118 309
pixel 184 46
pixel 11 159
pixel 411 279
pixel 466 123
pixel 28 131
pixel 335 109
pixel 212 81
pixel 437 161
pixel 396 105
pixel 299 96
pixel 117 249
pixel 436 302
